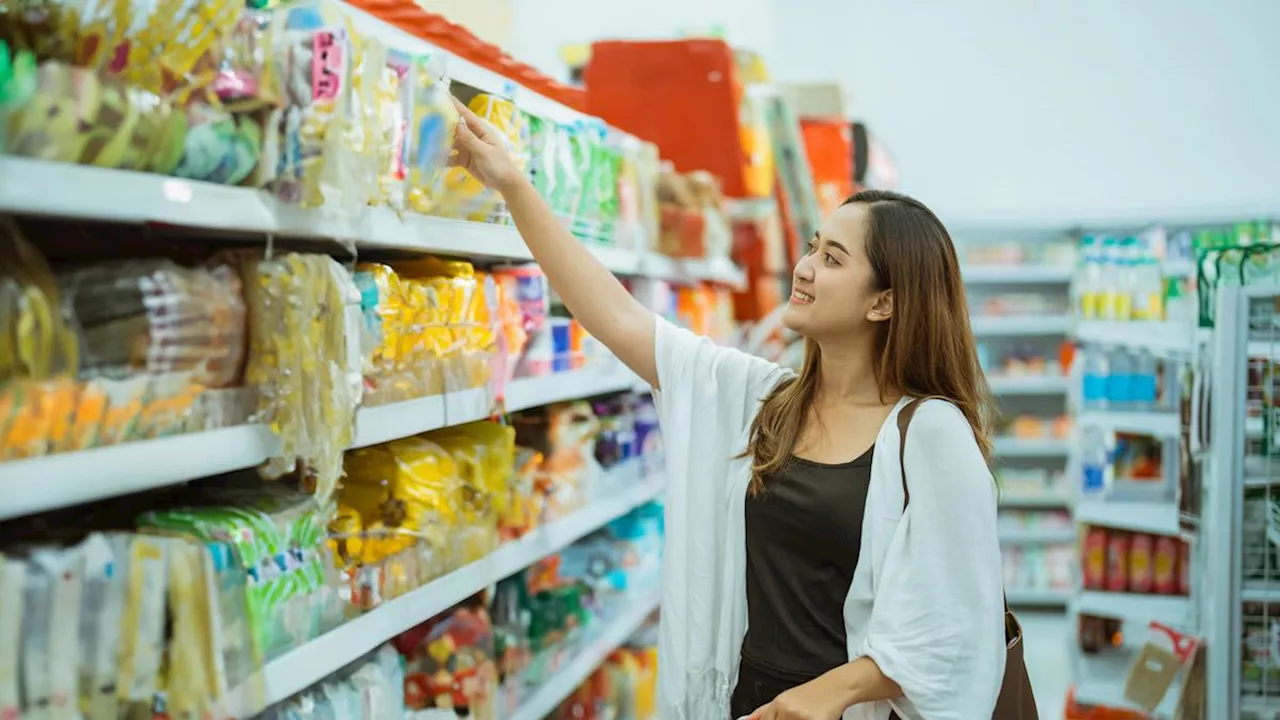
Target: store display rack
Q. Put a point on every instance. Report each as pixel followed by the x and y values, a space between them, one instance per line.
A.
pixel 67 479
pixel 89 193
pixel 550 694
pixel 329 653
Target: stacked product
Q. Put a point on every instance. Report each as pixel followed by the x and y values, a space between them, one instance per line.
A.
pixel 113 352
pixel 483 657
pixel 624 688
pixel 1135 562
pixel 179 615
pixel 543 615
pixel 293 99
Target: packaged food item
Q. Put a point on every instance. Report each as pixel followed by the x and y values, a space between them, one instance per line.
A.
pixel 1117 561
pixel 450 661
pixel 1165 568
pixel 1095 559
pixel 304 357
pixel 1141 560
pixel 434 121
pixel 460 195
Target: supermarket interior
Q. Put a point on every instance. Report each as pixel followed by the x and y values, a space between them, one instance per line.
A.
pixel 294 427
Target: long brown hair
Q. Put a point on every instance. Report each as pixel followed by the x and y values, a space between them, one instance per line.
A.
pixel 925 348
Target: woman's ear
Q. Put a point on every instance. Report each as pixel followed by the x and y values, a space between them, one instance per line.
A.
pixel 882 308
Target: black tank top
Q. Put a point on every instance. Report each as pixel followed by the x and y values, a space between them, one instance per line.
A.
pixel 804 533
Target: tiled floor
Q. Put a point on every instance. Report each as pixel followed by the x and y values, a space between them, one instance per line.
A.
pixel 1047 635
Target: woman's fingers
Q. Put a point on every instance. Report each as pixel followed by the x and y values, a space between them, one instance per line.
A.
pixel 470 120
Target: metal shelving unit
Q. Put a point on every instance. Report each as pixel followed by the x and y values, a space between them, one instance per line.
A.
pixel 1034 540
pixel 1239 574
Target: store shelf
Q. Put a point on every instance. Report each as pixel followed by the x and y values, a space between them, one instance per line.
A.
pixel 1038 536
pixel 1136 609
pixel 1042 597
pixel 560 686
pixel 1029 384
pixel 1021 326
pixel 1154 336
pixel 1016 274
pixel 73 478
pixel 1260 591
pixel 1100 681
pixel 1155 424
pixel 316 660
pixel 1008 447
pixel 1161 518
pixel 1040 501
pixel 89 193
pixel 1260 707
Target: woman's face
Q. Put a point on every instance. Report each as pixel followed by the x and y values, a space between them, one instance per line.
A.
pixel 833 287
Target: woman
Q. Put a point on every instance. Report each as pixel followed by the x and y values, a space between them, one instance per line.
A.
pixel 798 583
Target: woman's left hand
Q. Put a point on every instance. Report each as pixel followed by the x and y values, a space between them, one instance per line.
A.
pixel 818 699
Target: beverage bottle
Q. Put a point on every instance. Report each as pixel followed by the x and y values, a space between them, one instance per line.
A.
pixel 1126 275
pixel 1088 280
pixel 1119 379
pixel 1108 279
pixel 1093 462
pixel 1095 378
pixel 1144 385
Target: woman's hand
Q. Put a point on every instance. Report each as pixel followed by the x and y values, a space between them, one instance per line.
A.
pixel 818 699
pixel 479 149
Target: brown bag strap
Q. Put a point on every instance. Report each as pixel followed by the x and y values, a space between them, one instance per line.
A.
pixel 907 412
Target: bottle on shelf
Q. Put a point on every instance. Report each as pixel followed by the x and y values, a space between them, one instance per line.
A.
pixel 1148 290
pixel 1109 280
pixel 1088 280
pixel 1095 378
pixel 1143 387
pixel 1120 367
pixel 1094 461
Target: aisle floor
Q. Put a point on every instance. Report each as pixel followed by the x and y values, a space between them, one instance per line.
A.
pixel 1047 635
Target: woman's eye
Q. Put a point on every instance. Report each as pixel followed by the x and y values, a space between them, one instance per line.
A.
pixel 829 259
pixel 811 247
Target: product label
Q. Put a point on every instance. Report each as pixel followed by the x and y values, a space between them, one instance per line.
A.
pixel 326 65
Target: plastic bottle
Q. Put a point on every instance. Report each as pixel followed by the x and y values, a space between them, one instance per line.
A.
pixel 1144 384
pixel 1108 279
pixel 1088 280
pixel 1094 463
pixel 1147 292
pixel 1095 378
pixel 1126 278
pixel 1119 379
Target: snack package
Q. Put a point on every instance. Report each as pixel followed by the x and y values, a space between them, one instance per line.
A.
pixel 458 194
pixel 433 122
pixel 401 501
pixel 304 357
pixel 450 661
pixel 327 159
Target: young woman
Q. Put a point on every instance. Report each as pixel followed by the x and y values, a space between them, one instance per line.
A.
pixel 798 582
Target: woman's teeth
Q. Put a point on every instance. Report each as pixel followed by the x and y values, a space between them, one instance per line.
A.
pixel 803 298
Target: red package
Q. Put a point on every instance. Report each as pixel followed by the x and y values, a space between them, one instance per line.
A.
pixel 1165 573
pixel 1117 561
pixel 1095 559
pixel 1141 551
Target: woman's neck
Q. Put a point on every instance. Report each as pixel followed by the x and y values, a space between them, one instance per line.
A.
pixel 846 374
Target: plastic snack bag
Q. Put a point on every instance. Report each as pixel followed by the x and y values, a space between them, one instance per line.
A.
pixel 433 122
pixel 461 195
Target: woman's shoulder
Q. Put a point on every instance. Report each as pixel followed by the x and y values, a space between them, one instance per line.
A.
pixel 937 414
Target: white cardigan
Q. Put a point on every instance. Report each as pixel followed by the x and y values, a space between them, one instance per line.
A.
pixel 926 600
